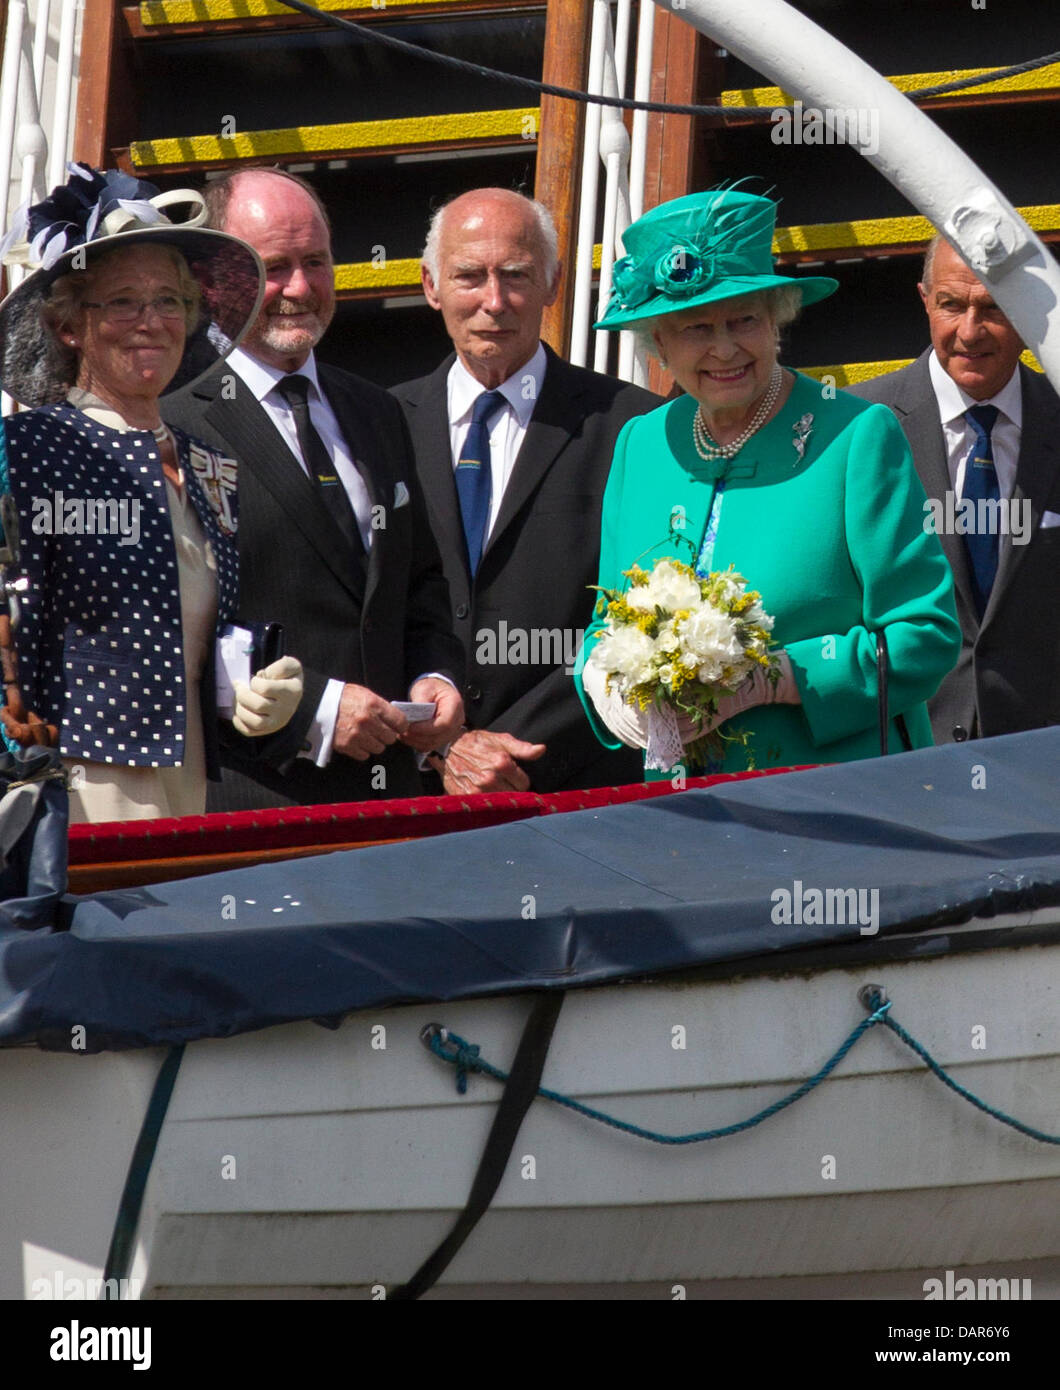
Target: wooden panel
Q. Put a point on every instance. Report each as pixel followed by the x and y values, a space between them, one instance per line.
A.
pixel 670 152
pixel 559 152
pixel 106 89
pixel 134 873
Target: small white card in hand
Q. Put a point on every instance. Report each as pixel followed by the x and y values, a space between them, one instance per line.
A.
pixel 415 713
pixel 235 646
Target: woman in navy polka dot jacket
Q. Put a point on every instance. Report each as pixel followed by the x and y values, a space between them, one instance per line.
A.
pixel 127 526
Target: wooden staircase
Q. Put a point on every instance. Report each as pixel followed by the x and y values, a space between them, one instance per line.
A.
pixel 175 90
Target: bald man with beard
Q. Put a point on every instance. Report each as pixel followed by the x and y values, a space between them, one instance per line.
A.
pixel 333 536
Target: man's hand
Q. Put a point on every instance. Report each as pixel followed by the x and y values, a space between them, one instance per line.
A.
pixel 366 724
pixel 480 761
pixel 436 733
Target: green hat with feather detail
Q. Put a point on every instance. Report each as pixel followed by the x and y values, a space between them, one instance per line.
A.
pixel 698 250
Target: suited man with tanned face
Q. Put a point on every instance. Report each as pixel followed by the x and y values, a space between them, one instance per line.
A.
pixel 985 436
pixel 333 536
pixel 513 447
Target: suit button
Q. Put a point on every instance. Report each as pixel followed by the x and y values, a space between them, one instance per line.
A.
pixel 960 733
pixel 462 611
pixel 368 625
pixel 474 693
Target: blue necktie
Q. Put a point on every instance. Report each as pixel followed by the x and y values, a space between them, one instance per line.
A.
pixel 980 484
pixel 474 478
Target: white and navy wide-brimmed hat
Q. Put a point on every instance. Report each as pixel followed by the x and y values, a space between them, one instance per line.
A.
pixel 95 212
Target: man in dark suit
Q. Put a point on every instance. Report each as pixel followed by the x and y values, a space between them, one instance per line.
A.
pixel 333 535
pixel 985 436
pixel 521 553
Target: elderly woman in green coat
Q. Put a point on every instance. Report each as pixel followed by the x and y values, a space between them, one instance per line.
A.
pixel 812 496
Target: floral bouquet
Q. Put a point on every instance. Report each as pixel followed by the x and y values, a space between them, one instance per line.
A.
pixel 674 644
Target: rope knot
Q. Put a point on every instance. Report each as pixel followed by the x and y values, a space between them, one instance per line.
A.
pixel 450 1047
pixel 874 998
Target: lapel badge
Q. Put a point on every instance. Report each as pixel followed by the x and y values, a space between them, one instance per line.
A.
pixel 401 495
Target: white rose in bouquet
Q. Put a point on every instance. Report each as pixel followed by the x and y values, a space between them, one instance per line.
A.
pixel 626 654
pixel 710 639
pixel 672 588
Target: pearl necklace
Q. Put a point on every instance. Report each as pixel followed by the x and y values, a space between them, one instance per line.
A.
pixel 708 451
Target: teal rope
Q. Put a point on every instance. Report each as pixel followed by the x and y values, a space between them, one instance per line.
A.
pixel 450 1047
pixel 921 1051
pixel 465 1056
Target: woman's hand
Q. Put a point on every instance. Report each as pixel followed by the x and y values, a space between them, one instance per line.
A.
pixel 630 725
pixel 271 698
pixel 757 689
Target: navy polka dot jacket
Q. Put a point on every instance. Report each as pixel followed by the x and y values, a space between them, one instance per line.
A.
pixel 100 643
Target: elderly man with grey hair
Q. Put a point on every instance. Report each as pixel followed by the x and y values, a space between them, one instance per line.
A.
pixel 985 434
pixel 513 447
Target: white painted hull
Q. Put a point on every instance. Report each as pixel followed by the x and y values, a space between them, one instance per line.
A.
pixel 350 1161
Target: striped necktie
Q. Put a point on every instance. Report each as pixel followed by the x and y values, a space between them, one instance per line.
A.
pixel 294 388
pixel 474 476
pixel 981 485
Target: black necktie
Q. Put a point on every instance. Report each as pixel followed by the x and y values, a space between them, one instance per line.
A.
pixel 474 477
pixel 981 485
pixel 322 472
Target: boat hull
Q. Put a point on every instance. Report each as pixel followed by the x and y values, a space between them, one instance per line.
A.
pixel 303 1161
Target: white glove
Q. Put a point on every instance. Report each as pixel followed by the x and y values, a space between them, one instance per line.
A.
pixel 630 725
pixel 757 689
pixel 268 702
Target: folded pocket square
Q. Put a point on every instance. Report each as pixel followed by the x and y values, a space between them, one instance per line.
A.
pixel 401 495
pixel 1050 519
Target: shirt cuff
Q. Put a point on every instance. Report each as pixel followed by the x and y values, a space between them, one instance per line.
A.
pixel 432 675
pixel 321 733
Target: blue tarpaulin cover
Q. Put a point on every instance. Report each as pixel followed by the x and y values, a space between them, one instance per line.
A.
pixel 942 834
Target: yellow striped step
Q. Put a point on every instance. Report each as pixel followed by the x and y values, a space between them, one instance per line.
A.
pixel 153 16
pixel 401 276
pixel 1041 80
pixel 459 130
pixel 851 373
pixel 877 233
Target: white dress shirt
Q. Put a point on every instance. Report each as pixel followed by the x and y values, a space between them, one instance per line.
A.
pixel 508 429
pixel 959 435
pixel 262 380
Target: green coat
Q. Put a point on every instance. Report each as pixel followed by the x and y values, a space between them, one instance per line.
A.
pixel 836 545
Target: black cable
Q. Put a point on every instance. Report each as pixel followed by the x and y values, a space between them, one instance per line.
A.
pixel 623 103
pixel 998 76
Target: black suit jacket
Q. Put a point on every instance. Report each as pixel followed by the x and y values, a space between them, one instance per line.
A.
pixel 535 573
pixel 1008 675
pixel 379 623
